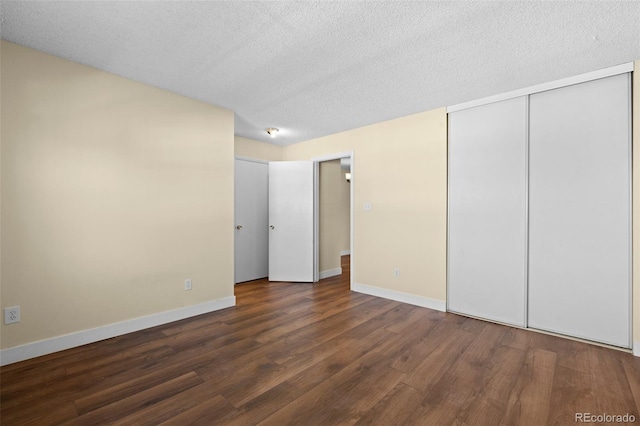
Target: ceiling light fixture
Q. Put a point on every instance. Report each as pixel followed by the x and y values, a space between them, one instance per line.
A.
pixel 272 131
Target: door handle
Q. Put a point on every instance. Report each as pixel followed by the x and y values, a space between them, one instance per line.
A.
pixel 239 227
pixel 272 227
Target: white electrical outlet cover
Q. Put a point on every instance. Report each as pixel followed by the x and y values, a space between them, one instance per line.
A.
pixel 12 314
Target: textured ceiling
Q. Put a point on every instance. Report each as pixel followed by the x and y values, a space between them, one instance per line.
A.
pixel 316 68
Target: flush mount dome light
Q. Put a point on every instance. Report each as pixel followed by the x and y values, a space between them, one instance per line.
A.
pixel 272 131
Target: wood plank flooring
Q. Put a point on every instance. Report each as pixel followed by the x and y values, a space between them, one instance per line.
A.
pixel 304 354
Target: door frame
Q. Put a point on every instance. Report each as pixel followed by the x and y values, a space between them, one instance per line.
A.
pixel 316 212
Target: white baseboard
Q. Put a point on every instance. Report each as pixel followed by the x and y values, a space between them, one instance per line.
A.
pixel 412 299
pixel 636 348
pixel 72 340
pixel 345 252
pixel 330 273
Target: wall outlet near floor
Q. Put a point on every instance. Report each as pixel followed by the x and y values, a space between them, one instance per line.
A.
pixel 396 272
pixel 12 315
pixel 187 284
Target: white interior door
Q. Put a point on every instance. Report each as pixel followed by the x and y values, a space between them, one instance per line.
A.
pixel 291 221
pixel 252 220
pixel 579 218
pixel 487 211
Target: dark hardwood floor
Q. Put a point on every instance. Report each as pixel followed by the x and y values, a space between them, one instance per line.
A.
pixel 321 355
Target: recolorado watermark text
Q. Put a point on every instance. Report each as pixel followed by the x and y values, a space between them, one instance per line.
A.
pixel 604 418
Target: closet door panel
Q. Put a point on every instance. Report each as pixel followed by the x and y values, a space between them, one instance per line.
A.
pixel 487 211
pixel 579 210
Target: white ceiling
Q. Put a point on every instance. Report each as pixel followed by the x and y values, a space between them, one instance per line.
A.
pixel 317 68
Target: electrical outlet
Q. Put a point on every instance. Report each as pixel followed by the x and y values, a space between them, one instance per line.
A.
pixel 396 272
pixel 187 284
pixel 12 315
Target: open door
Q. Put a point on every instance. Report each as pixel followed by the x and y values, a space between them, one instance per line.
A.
pixel 291 221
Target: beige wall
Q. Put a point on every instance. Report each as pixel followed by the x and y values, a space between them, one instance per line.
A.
pixel 636 207
pixel 400 167
pixel 113 193
pixel 334 215
pixel 259 150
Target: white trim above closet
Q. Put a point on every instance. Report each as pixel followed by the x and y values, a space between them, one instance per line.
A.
pixel 594 75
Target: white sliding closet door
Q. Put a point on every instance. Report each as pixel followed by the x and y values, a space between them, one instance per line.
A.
pixel 579 210
pixel 487 211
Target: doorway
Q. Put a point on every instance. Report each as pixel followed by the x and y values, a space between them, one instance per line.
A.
pixel 334 233
pixel 333 210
